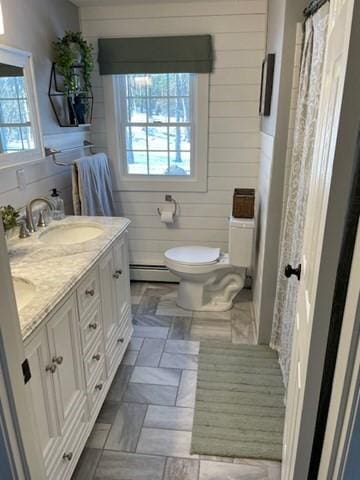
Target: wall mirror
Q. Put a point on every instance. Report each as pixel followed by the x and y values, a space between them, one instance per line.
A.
pixel 20 135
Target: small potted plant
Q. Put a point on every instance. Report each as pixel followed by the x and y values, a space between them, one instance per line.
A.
pixel 73 57
pixel 9 217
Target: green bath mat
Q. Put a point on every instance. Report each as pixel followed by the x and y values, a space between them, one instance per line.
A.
pixel 239 409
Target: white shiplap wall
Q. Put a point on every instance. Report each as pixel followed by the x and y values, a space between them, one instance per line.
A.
pixel 238 29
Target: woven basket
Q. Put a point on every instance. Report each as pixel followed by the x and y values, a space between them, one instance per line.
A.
pixel 243 203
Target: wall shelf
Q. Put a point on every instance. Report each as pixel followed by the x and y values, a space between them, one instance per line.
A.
pixel 73 110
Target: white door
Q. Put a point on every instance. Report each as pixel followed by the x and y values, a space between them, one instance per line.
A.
pixel 312 319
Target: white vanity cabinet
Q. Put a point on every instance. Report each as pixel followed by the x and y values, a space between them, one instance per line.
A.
pixel 73 357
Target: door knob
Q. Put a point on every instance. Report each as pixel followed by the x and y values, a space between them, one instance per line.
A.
pixel 91 292
pixel 289 270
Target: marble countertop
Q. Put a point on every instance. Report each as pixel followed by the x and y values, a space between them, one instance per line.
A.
pixel 55 269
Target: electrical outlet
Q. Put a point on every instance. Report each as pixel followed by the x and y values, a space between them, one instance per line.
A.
pixel 21 180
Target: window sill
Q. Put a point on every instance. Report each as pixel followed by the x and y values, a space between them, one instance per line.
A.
pixel 161 184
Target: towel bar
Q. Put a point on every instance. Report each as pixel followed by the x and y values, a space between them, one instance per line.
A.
pixel 52 152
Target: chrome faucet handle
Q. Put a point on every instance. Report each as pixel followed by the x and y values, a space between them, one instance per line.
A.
pixel 24 232
pixel 42 219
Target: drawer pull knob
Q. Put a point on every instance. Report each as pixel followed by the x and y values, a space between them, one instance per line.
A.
pixel 120 340
pixel 97 356
pixel 98 386
pixel 116 275
pixel 58 360
pixel 51 368
pixel 91 292
pixel 119 271
pixel 68 456
pixel 93 326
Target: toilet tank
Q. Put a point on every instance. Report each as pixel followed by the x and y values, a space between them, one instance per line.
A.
pixel 241 241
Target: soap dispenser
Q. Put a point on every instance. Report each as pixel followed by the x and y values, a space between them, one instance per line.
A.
pixel 58 212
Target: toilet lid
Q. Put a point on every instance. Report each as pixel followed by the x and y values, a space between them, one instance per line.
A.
pixel 193 255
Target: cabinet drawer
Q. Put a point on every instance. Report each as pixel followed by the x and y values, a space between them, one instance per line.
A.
pixel 92 360
pixel 91 327
pixel 96 391
pixel 88 292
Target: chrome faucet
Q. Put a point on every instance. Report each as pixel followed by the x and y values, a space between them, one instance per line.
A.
pixel 29 214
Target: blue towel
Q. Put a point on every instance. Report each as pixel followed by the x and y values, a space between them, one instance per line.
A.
pixel 92 188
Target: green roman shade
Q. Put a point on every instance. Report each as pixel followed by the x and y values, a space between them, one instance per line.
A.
pixel 186 54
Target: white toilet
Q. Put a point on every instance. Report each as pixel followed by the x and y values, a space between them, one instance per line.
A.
pixel 209 279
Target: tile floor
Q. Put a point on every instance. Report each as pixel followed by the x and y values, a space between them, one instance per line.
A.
pixel 143 431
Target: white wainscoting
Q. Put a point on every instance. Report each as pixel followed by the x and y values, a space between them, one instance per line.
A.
pixel 238 29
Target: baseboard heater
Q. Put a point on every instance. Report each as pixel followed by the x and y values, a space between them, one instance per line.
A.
pixel 151 273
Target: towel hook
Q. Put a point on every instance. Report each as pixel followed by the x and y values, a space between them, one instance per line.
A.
pixel 169 198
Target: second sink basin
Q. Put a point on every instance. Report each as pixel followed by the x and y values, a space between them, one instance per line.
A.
pixel 24 291
pixel 70 234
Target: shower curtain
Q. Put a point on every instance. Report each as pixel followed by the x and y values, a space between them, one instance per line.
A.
pixel 294 217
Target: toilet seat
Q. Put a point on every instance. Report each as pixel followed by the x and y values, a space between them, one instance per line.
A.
pixel 193 255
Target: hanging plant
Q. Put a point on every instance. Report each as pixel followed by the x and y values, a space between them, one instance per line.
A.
pixel 9 216
pixel 73 51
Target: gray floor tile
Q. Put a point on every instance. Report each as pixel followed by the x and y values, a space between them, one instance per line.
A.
pixel 180 328
pixel 87 464
pixel 219 470
pixel 167 306
pixel 98 435
pixel 135 343
pixel 210 329
pixel 182 346
pixel 187 389
pixel 148 305
pixel 213 315
pixel 130 357
pixel 150 394
pixel 170 418
pixel 242 326
pixel 179 360
pixel 147 320
pixel 108 412
pixel 181 469
pixel 213 458
pixel 170 443
pixel 125 430
pixel 150 332
pixel 119 384
pixel 156 376
pixel 128 466
pixel 150 353
pixel 273 467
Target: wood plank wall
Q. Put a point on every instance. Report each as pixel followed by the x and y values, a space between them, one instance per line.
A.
pixel 239 30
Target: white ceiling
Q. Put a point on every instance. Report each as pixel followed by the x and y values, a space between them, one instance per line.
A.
pixel 82 3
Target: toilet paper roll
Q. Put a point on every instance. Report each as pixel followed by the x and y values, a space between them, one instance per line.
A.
pixel 167 217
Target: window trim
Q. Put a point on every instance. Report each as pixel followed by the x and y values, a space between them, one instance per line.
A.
pixel 23 59
pixel 197 182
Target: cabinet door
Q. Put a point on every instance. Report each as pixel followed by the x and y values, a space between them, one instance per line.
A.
pixel 106 269
pixel 122 277
pixel 41 386
pixel 65 354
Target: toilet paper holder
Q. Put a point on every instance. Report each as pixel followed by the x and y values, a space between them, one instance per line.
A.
pixel 169 198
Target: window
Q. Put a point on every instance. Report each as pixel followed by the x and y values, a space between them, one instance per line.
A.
pixel 15 127
pixel 158 130
pixel 157 123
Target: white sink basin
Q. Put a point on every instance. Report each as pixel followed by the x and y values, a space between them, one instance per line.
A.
pixel 24 291
pixel 70 234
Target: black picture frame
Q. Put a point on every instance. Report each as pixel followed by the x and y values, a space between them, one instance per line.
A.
pixel 267 78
